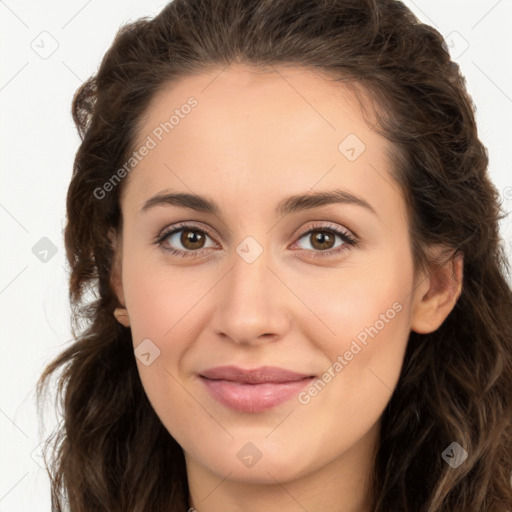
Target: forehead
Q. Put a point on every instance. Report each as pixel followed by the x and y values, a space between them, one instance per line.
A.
pixel 284 129
pixel 239 93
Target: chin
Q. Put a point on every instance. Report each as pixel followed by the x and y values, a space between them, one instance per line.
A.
pixel 245 462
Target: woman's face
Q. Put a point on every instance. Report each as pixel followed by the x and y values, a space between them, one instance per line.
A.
pixel 265 281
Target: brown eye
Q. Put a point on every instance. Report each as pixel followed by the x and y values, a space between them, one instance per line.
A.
pixel 184 240
pixel 192 239
pixel 322 240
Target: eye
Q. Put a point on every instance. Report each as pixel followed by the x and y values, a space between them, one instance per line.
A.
pixel 192 239
pixel 321 239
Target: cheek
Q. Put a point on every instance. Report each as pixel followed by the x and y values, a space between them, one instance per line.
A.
pixel 159 297
pixel 362 327
pixel 361 304
pixel 159 300
pixel 165 308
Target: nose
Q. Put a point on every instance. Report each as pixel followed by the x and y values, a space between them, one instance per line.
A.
pixel 251 303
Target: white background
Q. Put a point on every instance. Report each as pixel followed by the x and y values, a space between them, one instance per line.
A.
pixel 38 143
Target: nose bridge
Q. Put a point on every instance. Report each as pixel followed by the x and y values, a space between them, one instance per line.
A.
pixel 248 280
pixel 250 303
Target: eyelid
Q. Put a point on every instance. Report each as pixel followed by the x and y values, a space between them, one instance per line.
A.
pixel 177 226
pixel 348 238
pixel 180 226
pixel 327 226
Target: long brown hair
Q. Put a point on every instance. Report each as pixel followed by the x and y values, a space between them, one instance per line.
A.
pixel 111 453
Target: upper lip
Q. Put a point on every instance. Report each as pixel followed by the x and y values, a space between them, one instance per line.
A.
pixel 253 375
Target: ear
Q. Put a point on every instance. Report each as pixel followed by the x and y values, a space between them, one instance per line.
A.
pixel 116 281
pixel 436 294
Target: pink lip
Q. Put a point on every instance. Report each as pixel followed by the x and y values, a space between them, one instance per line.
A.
pixel 253 390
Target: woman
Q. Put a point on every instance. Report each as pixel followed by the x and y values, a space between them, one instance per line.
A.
pixel 285 209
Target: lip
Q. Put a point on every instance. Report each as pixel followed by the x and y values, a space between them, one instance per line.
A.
pixel 253 390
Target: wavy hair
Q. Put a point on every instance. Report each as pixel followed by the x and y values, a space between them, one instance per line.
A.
pixel 111 452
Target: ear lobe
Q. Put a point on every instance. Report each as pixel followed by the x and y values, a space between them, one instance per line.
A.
pixel 437 295
pixel 122 316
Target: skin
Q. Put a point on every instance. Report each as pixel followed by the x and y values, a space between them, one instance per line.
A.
pixel 253 140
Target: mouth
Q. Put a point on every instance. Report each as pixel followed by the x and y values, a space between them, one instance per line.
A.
pixel 253 390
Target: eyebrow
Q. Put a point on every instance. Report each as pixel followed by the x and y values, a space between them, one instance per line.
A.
pixel 291 204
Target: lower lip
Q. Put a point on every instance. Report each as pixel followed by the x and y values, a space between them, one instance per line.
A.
pixel 253 397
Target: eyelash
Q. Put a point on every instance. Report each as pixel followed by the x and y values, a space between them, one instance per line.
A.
pixel 348 240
